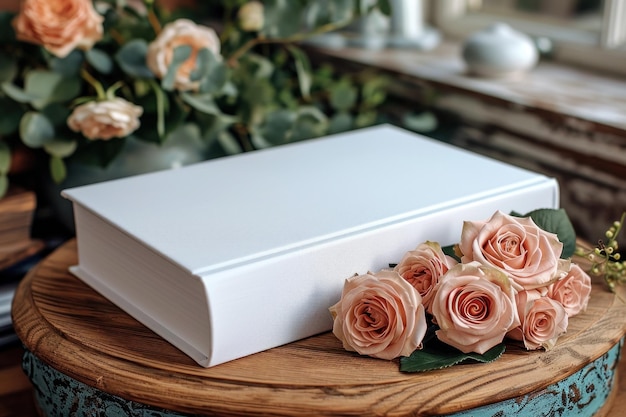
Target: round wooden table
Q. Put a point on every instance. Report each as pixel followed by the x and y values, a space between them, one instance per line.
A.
pixel 85 356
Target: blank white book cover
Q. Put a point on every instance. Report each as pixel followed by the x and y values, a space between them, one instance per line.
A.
pixel 274 233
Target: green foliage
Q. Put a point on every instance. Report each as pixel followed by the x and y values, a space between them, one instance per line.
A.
pixel 70 65
pixel 261 90
pixel 8 67
pixel 4 183
pixel 131 58
pixel 58 170
pixel 283 18
pixel 5 158
pixel 11 115
pixel 438 355
pixel 36 129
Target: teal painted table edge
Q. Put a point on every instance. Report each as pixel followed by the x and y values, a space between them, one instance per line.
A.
pixel 581 394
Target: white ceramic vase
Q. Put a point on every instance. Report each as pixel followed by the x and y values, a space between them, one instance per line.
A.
pixel 499 51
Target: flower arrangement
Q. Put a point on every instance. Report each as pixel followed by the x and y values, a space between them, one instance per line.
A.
pixel 508 278
pixel 80 78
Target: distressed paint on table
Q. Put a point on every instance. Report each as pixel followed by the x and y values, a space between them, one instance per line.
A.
pixel 583 394
pixel 58 395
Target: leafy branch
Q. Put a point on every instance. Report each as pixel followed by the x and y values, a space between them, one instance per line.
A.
pixel 605 258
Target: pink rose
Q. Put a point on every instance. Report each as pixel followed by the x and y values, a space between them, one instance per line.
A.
pixel 517 246
pixel 572 291
pixel 107 119
pixel 59 26
pixel 178 33
pixel 474 307
pixel 380 315
pixel 543 320
pixel 423 267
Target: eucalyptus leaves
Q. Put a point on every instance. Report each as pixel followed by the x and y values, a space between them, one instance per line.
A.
pixel 247 88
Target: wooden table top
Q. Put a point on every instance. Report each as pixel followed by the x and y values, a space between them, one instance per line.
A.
pixel 75 330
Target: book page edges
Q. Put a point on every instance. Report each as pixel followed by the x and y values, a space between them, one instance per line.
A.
pixel 201 357
pixel 153 290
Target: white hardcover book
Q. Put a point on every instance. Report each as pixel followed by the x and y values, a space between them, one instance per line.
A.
pixel 233 256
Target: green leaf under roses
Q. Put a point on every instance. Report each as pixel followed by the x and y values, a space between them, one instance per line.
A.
pixel 449 250
pixel 438 355
pixel 555 221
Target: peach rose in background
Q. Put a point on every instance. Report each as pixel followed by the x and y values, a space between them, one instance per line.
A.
pixel 380 315
pixel 115 118
pixel 474 307
pixel 517 246
pixel 59 26
pixel 573 291
pixel 178 33
pixel 543 320
pixel 423 267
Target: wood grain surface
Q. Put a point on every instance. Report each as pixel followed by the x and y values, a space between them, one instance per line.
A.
pixel 78 332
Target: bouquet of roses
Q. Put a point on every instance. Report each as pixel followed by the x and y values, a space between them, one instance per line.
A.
pixel 506 278
pixel 83 81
